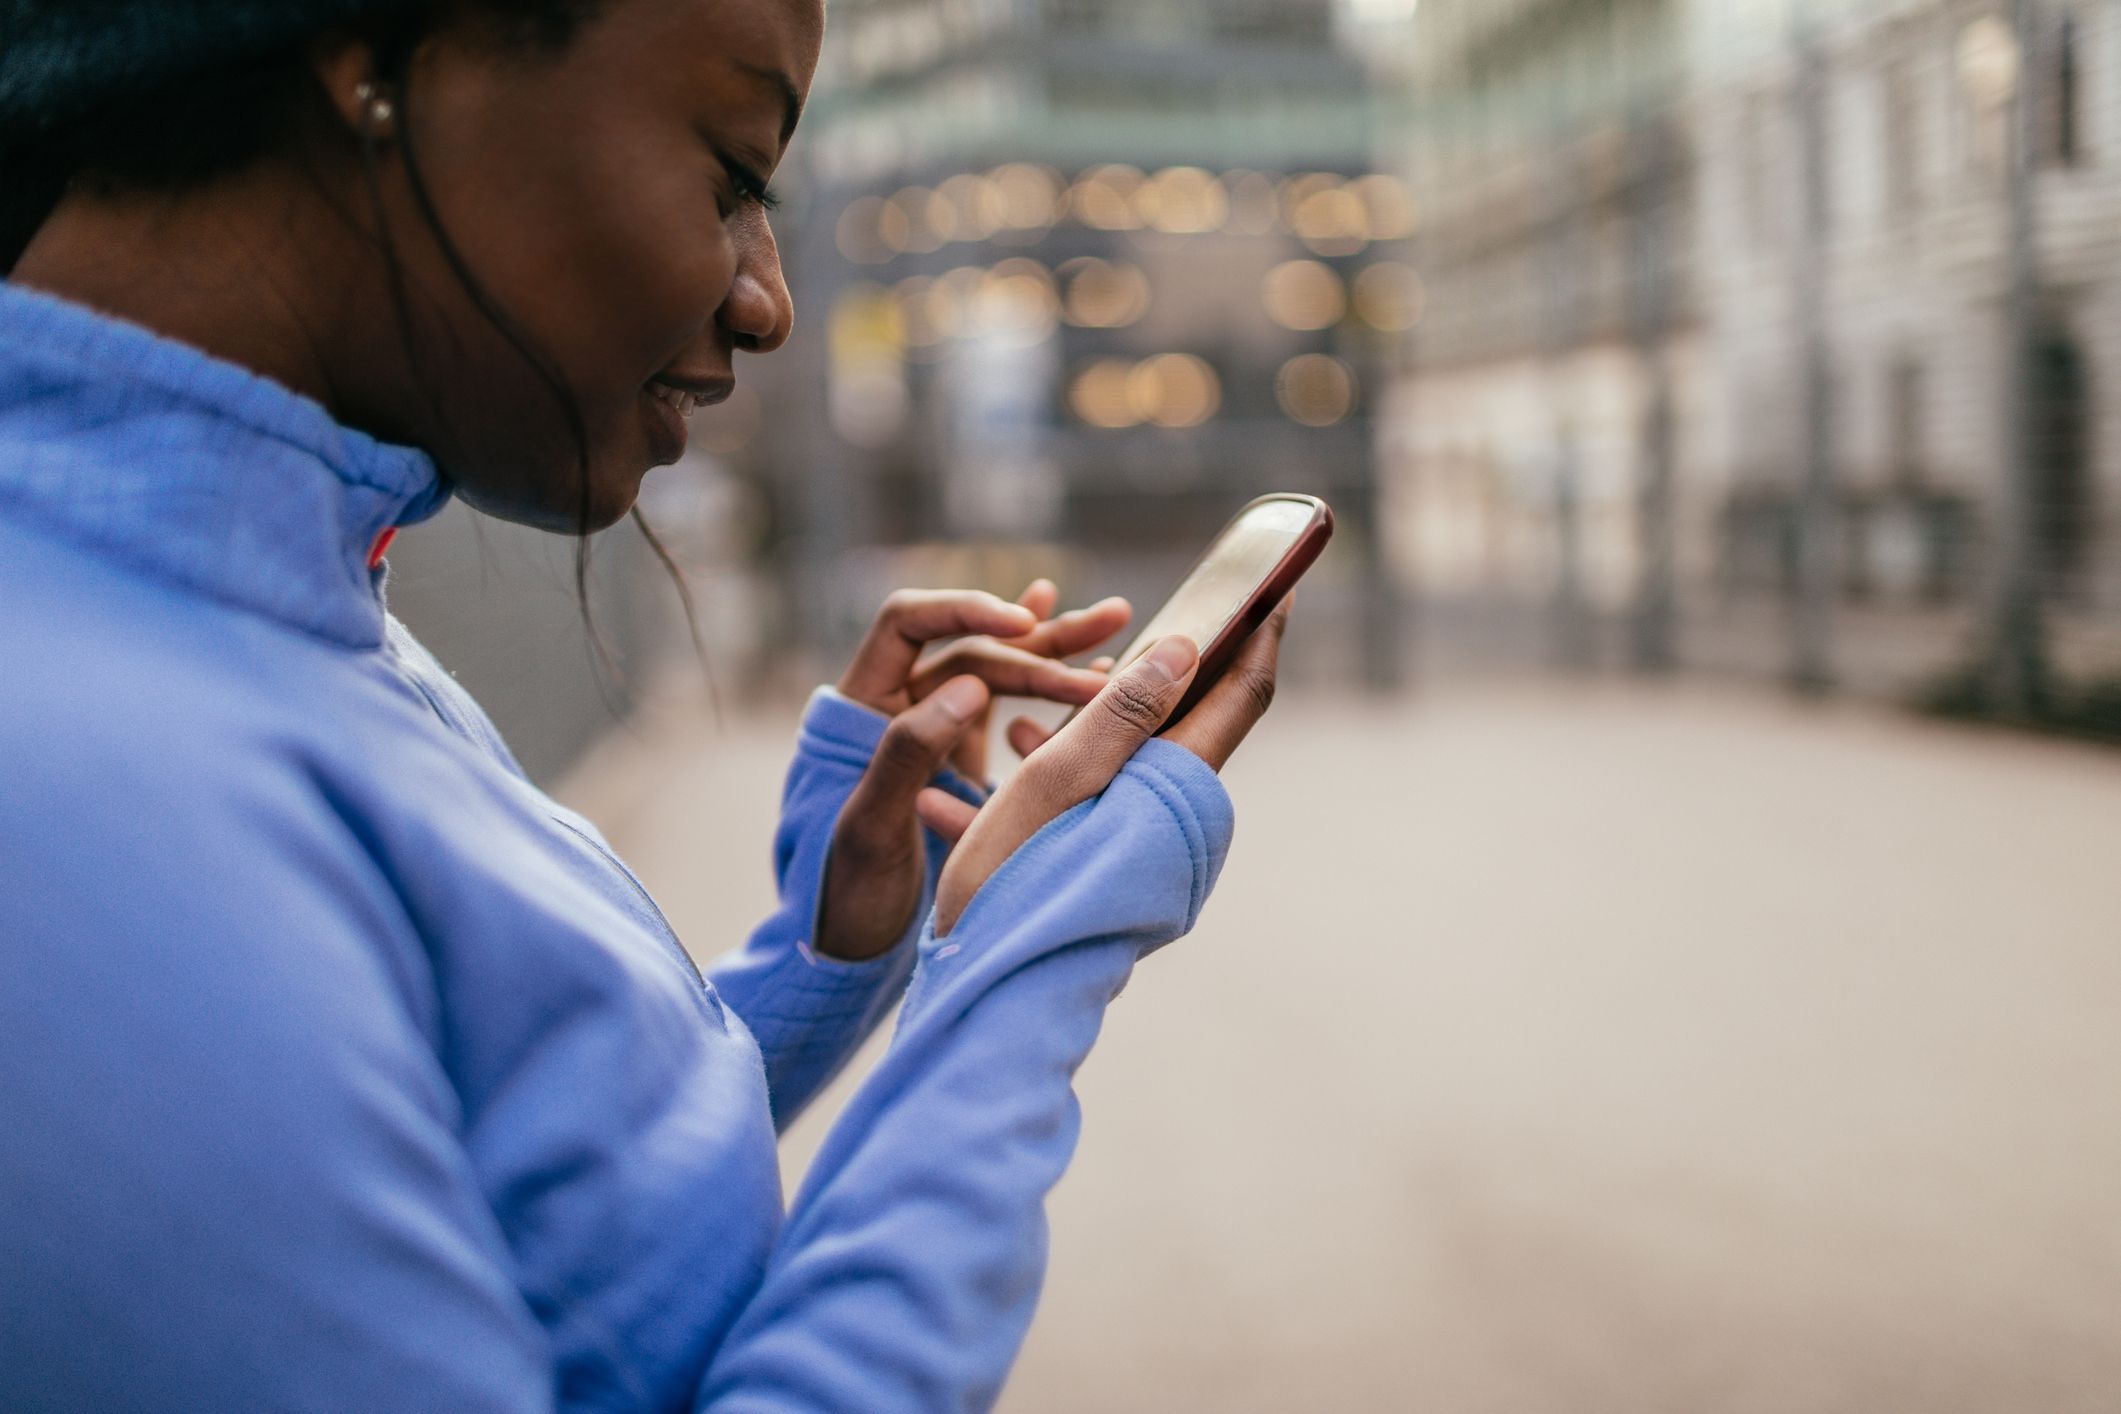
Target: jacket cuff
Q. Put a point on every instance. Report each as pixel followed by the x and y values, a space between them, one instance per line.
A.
pixel 1134 865
pixel 841 732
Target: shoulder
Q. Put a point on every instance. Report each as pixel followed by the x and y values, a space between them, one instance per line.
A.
pixel 93 641
pixel 170 765
pixel 119 689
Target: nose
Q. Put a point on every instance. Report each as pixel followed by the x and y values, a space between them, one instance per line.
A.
pixel 758 311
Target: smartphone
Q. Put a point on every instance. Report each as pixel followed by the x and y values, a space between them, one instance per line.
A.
pixel 1248 570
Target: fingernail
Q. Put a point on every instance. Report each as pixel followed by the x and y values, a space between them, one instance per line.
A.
pixel 961 698
pixel 1172 658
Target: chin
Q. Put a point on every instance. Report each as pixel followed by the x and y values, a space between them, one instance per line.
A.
pixel 555 505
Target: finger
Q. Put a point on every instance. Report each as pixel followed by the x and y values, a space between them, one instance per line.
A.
pixel 1008 671
pixel 915 746
pixel 1103 665
pixel 874 871
pixel 1226 714
pixel 1080 760
pixel 909 621
pixel 945 814
pixel 1041 597
pixel 1077 631
pixel 1027 736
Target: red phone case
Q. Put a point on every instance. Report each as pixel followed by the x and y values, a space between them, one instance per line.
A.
pixel 1310 544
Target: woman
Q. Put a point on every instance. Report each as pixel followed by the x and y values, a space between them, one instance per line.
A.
pixel 343 1069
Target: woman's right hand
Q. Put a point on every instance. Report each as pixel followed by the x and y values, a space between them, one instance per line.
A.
pixel 1082 758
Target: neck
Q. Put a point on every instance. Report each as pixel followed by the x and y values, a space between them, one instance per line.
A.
pixel 214 268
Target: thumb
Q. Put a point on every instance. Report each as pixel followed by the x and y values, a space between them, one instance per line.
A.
pixel 1133 706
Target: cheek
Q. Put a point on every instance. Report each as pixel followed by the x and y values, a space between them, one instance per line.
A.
pixel 641 268
pixel 602 240
pixel 669 285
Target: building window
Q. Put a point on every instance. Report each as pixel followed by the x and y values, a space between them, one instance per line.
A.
pixel 2061 426
pixel 1906 396
pixel 2062 102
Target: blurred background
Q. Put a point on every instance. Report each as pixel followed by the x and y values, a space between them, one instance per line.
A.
pixel 1667 959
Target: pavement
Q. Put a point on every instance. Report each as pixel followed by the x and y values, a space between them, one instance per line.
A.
pixel 1570 1049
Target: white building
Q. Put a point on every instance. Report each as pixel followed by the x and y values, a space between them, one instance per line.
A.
pixel 1836 256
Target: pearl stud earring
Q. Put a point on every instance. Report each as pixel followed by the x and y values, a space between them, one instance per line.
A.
pixel 376 106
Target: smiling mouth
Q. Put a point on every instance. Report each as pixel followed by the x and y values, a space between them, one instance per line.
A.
pixel 689 399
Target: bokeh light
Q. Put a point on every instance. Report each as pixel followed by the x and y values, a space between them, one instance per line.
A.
pixel 859 233
pixel 1332 221
pixel 1988 61
pixel 1183 201
pixel 975 206
pixel 1317 390
pixel 924 219
pixel 1294 191
pixel 1103 197
pixel 1174 390
pixel 1017 301
pixel 1026 197
pixel 926 312
pixel 1099 394
pixel 1104 294
pixel 1304 295
pixel 1389 296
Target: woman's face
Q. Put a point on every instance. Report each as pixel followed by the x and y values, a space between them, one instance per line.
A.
pixel 605 194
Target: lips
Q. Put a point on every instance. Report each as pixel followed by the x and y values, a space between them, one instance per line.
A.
pixel 684 400
pixel 667 402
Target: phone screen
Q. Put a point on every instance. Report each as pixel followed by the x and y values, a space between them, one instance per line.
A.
pixel 1238 562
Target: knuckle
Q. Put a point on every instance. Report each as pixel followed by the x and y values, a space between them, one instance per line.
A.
pixel 1258 686
pixel 904 748
pixel 1134 704
pixel 942 664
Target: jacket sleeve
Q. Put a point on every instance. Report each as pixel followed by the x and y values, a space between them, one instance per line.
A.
pixel 913 1256
pixel 809 1013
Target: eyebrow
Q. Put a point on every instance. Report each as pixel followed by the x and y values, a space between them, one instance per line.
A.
pixel 791 98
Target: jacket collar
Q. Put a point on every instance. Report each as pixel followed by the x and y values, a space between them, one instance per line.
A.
pixel 195 471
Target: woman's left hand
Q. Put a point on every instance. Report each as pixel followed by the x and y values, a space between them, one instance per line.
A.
pixel 939 700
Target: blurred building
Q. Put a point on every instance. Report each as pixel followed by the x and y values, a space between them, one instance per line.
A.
pixel 1726 333
pixel 1534 438
pixel 1857 230
pixel 1077 278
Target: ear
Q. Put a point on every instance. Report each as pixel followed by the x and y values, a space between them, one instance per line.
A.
pixel 346 67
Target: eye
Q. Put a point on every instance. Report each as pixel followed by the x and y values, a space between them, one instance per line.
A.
pixel 750 187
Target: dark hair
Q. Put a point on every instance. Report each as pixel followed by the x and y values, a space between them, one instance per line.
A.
pixel 208 122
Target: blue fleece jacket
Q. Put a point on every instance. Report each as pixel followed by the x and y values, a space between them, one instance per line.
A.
pixel 342 1069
